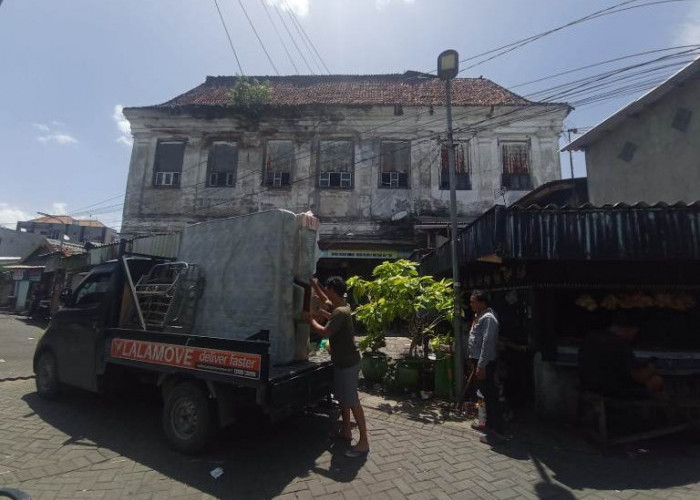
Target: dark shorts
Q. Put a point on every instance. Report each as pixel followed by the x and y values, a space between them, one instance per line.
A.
pixel 345 385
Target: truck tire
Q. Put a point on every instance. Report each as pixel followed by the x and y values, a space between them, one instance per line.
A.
pixel 47 383
pixel 187 417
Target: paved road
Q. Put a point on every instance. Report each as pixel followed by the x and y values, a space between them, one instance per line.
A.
pixel 18 337
pixel 89 446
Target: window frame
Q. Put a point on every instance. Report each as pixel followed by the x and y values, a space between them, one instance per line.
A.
pixel 272 181
pixel 395 174
pixel 513 181
pixel 444 184
pixel 87 281
pixel 346 180
pixel 168 179
pixel 230 178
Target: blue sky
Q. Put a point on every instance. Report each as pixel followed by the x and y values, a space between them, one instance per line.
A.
pixel 67 66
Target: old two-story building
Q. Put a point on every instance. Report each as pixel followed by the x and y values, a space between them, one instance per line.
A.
pixel 366 154
pixel 649 151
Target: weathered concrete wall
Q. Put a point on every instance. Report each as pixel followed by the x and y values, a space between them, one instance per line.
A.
pixel 666 163
pixel 359 210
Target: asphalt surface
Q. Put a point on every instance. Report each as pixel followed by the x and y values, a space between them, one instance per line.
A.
pixel 18 338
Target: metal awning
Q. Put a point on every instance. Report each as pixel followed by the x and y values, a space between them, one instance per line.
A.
pixel 621 232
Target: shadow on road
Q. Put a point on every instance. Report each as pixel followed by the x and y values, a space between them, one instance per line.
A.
pixel 579 465
pixel 259 459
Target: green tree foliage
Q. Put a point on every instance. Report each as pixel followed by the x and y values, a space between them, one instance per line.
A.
pixel 399 292
pixel 250 94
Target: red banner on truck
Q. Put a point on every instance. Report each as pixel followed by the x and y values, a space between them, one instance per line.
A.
pixel 194 358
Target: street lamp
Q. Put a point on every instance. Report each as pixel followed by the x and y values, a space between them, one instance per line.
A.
pixel 448 68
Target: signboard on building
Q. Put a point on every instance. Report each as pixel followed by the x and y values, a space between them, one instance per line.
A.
pixel 382 254
pixel 18 274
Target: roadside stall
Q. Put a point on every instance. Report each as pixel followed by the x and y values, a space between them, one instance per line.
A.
pixel 556 274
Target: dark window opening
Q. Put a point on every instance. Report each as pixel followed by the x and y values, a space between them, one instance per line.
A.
pixel 462 167
pixel 279 159
pixel 395 163
pixel 628 151
pixel 336 160
pixel 681 121
pixel 222 164
pixel 515 159
pixel 168 163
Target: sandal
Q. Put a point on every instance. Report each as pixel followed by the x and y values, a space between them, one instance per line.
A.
pixel 356 454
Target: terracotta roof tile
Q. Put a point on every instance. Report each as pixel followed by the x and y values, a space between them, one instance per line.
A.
pixel 408 89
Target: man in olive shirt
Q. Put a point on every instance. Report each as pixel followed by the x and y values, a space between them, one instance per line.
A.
pixel 346 361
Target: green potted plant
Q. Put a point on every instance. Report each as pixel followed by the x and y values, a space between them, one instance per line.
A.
pixel 374 362
pixel 399 292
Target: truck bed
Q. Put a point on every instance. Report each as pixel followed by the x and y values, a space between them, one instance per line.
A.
pixel 244 362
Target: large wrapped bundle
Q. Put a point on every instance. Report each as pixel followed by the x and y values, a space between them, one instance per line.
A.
pixel 256 268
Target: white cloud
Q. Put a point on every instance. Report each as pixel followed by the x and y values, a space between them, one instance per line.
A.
pixel 123 125
pixel 9 215
pixel 59 208
pixel 689 32
pixel 53 134
pixel 300 7
pixel 57 138
pixel 383 3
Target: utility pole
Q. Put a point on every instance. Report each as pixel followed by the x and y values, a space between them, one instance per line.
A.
pixel 448 67
pixel 571 154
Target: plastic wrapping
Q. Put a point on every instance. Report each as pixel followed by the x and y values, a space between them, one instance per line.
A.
pixel 250 264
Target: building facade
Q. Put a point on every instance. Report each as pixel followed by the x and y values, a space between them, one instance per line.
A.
pixel 366 154
pixel 648 151
pixel 77 230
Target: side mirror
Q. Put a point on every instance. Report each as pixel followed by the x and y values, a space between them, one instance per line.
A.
pixel 66 298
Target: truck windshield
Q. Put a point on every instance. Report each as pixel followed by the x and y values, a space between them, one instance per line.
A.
pixel 92 290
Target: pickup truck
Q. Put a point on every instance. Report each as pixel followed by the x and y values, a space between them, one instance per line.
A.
pixel 205 381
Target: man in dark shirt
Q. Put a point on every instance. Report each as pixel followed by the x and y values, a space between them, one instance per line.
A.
pixel 346 362
pixel 608 365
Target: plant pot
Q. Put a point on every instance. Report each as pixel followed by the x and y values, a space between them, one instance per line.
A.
pixel 444 377
pixel 408 373
pixel 374 366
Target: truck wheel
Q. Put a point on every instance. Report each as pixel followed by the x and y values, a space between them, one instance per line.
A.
pixel 47 384
pixel 187 419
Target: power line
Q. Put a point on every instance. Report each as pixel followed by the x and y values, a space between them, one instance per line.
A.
pixel 299 29
pixel 258 37
pixel 291 37
pixel 228 35
pixel 601 63
pixel 279 36
pixel 306 36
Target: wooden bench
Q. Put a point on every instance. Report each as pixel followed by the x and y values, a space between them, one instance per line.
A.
pixel 601 404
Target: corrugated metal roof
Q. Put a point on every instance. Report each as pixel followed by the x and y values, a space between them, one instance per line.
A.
pixel 609 233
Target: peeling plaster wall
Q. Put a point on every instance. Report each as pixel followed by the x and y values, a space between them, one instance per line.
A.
pixel 363 210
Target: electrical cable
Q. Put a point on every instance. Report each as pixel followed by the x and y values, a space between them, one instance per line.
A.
pixel 300 29
pixel 250 21
pixel 228 35
pixel 279 36
pixel 291 37
pixel 306 36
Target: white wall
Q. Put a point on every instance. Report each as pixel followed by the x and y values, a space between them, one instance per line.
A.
pixel 156 209
pixel 666 164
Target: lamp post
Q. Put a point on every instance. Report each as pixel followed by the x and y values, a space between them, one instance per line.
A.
pixel 448 67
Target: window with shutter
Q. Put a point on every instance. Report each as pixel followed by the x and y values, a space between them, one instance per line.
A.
pixel 462 167
pixel 395 163
pixel 279 160
pixel 515 161
pixel 336 160
pixel 168 163
pixel 222 164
